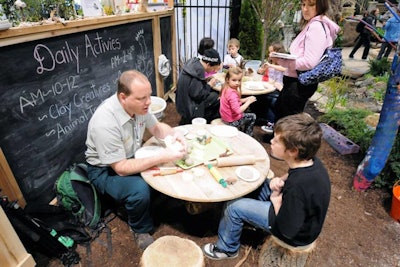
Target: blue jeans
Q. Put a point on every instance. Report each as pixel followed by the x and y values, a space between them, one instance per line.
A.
pixel 239 211
pixel 132 191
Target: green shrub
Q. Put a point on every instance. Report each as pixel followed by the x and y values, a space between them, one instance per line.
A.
pixel 250 32
pixel 391 172
pixel 379 67
pixel 351 123
pixel 336 92
pixel 378 93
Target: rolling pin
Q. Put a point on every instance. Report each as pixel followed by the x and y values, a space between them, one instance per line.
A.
pixel 236 160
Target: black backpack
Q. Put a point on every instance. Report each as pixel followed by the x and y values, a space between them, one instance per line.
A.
pixel 40 239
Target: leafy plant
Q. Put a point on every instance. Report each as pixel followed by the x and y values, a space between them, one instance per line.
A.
pixel 37 10
pixel 391 172
pixel 336 91
pixel 379 67
pixel 378 92
pixel 351 123
pixel 250 30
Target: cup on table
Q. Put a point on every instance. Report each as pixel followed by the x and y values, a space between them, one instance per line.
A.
pixel 199 124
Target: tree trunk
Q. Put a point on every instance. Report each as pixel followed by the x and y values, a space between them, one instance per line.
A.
pixel 275 253
pixel 235 15
pixel 264 43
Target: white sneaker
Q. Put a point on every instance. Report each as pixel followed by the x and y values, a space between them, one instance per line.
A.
pixel 269 128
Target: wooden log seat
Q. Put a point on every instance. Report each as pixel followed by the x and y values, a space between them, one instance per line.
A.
pixel 276 253
pixel 217 122
pixel 172 251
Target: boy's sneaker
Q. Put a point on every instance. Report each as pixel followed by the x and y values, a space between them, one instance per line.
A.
pixel 214 253
pixel 269 128
pixel 143 240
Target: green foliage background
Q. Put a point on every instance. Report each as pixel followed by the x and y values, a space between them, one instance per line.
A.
pixel 37 10
pixel 250 33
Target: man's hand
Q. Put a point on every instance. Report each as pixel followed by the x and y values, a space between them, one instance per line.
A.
pixel 176 142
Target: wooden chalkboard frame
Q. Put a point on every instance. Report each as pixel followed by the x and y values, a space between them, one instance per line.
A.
pixel 44 160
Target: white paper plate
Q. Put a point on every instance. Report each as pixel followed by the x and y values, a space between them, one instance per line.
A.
pixel 283 55
pixel 247 173
pixel 224 131
pixel 182 129
pixel 147 151
pixel 253 85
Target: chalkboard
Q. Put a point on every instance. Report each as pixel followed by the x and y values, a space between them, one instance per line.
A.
pixel 49 90
pixel 166 41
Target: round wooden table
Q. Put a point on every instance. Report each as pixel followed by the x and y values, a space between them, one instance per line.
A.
pixel 198 185
pixel 258 86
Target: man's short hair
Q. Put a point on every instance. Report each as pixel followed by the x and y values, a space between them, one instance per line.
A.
pixel 127 78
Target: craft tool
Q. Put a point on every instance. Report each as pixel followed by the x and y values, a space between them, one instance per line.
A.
pixel 236 160
pixel 217 175
pixel 167 171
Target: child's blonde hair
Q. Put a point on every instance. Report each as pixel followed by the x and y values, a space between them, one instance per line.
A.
pixel 234 42
pixel 232 71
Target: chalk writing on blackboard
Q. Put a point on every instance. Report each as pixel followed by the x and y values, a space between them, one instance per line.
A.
pixel 50 89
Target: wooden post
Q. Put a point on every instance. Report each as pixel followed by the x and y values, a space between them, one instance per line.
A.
pixel 12 252
pixel 275 253
pixel 8 184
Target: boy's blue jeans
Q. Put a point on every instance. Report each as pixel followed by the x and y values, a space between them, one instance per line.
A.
pixel 240 211
pixel 132 191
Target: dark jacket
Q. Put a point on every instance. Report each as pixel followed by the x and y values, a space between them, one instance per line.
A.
pixel 371 20
pixel 305 202
pixel 193 92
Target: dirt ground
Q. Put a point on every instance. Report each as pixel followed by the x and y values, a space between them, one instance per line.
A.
pixel 358 230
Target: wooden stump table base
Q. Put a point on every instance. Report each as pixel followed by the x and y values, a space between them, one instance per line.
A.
pixel 172 251
pixel 275 253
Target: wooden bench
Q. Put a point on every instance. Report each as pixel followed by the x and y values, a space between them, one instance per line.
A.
pixel 276 253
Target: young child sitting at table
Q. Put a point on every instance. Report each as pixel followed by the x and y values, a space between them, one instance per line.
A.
pixel 233 58
pixel 272 72
pixel 232 106
pixel 292 207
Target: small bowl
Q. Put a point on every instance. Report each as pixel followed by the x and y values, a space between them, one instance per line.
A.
pixel 253 64
pixel 158 106
pixel 199 121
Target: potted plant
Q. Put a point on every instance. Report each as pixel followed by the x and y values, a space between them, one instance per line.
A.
pixel 4 23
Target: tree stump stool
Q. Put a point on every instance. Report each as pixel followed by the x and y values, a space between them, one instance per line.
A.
pixel 217 122
pixel 172 251
pixel 276 253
